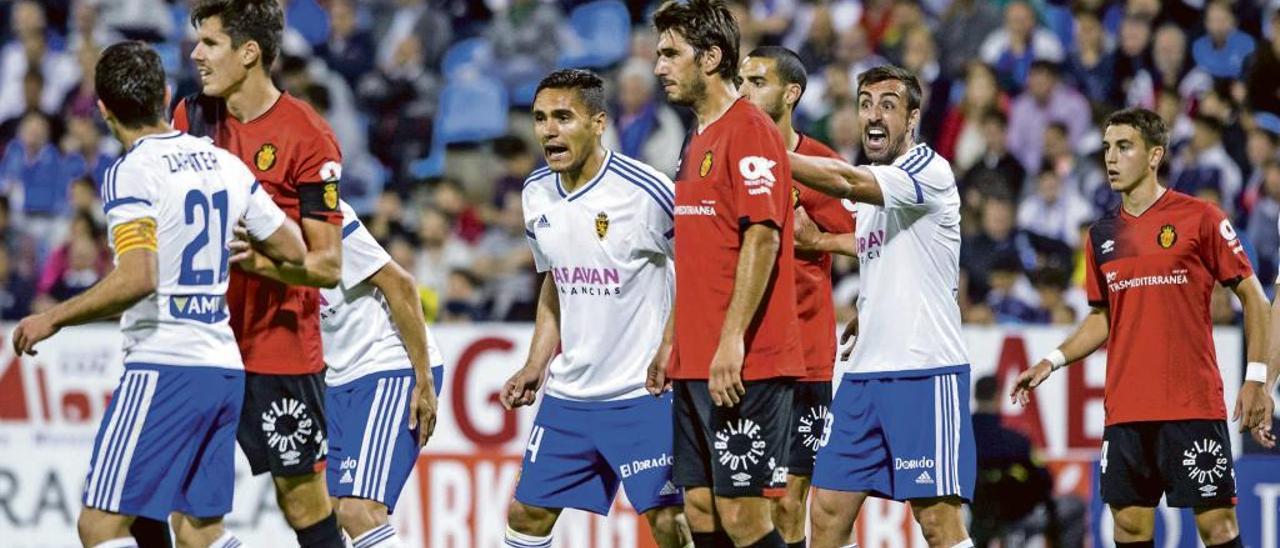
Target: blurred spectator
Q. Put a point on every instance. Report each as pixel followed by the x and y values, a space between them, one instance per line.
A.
pixel 907 17
pixel 32 88
pixel 846 132
pixel 1012 49
pixel 768 21
pixel 1046 100
pixel 16 290
pixel 527 37
pixel 88 33
pixel 148 20
pixel 350 50
pixel 386 221
pixel 1132 55
pixel 877 15
pixel 920 56
pixel 855 54
pixel 819 39
pixel 1082 178
pixel 416 20
pixel 20 246
pixel 28 52
pixel 402 96
pixel 83 198
pixel 1204 164
pixel 960 137
pixel 1260 148
pixel 1223 49
pixel 1263 74
pixel 1011 298
pixel 1169 69
pixel 463 216
pixel 996 172
pixel 644 127
pixel 1091 63
pixel 964 27
pixel 31 164
pixel 76 265
pixel 1052 211
pixel 1052 285
pixel 82 100
pixel 998 238
pixel 505 262
pixel 441 251
pixel 463 299
pixel 1263 219
pixel 85 152
pixel 1011 481
pixel 518 162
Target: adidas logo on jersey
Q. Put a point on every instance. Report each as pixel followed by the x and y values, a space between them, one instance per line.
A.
pixel 543 222
pixel 346 477
pixel 668 489
pixel 924 479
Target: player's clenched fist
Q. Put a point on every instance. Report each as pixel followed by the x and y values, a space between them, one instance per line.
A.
pixel 1029 380
pixel 522 388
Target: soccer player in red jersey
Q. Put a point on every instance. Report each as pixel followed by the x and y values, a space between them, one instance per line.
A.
pixel 1151 267
pixel 736 353
pixel 275 308
pixel 773 79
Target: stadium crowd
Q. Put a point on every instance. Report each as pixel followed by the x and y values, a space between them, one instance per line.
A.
pixel 1015 91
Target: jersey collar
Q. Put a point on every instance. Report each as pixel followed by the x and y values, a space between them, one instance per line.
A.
pixel 604 166
pixel 155 137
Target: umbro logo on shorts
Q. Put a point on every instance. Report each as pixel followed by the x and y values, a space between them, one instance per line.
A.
pixel 741 479
pixel 924 479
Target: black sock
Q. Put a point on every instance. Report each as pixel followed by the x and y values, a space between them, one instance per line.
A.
pixel 718 539
pixel 1139 544
pixel 771 540
pixel 150 533
pixel 797 544
pixel 324 534
pixel 1233 543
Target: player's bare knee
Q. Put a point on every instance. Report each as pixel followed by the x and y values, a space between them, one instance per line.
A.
pixel 1134 523
pixel 359 515
pixel 663 520
pixel 95 526
pixel 1217 525
pixel 530 520
pixel 743 518
pixel 304 500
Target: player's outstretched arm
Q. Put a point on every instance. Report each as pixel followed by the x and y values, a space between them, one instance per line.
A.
pixel 522 388
pixel 134 278
pixel 759 253
pixel 811 238
pixel 1254 405
pixel 1088 336
pixel 312 270
pixel 836 178
pixel 406 312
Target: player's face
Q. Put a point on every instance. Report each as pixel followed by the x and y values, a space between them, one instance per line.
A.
pixel 1128 159
pixel 221 67
pixel 764 88
pixel 679 70
pixel 568 132
pixel 886 120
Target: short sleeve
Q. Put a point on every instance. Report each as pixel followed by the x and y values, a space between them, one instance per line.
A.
pixel 660 225
pixel 262 217
pixel 757 161
pixel 914 181
pixel 434 356
pixel 1094 287
pixel 320 164
pixel 128 194
pixel 361 254
pixel 1221 249
pixel 540 261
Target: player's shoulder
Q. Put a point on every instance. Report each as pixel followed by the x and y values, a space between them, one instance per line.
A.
pixel 744 116
pixel 641 179
pixel 539 187
pixel 1191 206
pixel 925 165
pixel 297 114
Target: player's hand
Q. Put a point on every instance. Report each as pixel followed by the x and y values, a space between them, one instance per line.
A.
pixel 1254 406
pixel 850 334
pixel 656 381
pixel 31 330
pixel 725 380
pixel 241 249
pixel 1029 380
pixel 522 388
pixel 1263 435
pixel 422 409
pixel 806 231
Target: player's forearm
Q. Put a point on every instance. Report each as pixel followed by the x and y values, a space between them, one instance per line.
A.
pixel 841 244
pixel 546 326
pixel 756 260
pixel 1256 319
pixel 323 265
pixel 314 270
pixel 1088 337
pixel 1273 363
pixel 406 313
pixel 836 178
pixel 130 282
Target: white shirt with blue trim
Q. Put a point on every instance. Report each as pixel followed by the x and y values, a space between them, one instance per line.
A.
pixel 356 328
pixel 196 193
pixel 608 248
pixel 909 262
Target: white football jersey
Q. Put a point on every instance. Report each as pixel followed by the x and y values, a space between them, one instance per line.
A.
pixel 358 333
pixel 909 262
pixel 196 193
pixel 607 246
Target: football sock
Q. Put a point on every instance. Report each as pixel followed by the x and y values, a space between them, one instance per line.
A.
pixel 516 539
pixel 797 544
pixel 124 542
pixel 1140 544
pixel 1233 543
pixel 323 534
pixel 966 543
pixel 151 533
pixel 718 539
pixel 227 540
pixel 382 536
pixel 771 540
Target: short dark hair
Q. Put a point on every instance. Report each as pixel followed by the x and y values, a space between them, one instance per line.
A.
pixel 995 115
pixel 1045 65
pixel 1149 124
pixel 243 20
pixel 589 86
pixel 129 79
pixel 985 388
pixel 704 24
pixel 890 72
pixel 790 67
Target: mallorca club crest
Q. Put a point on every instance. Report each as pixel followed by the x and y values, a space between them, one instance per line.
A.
pixel 602 225
pixel 795 197
pixel 705 168
pixel 331 195
pixel 265 158
pixel 1167 237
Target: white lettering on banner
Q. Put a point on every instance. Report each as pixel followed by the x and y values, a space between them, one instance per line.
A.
pixel 1268 493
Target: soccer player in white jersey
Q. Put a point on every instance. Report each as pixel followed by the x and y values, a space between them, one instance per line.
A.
pixel 899 426
pixel 167 441
pixel 600 225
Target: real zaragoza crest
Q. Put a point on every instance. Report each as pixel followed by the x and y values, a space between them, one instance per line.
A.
pixel 602 224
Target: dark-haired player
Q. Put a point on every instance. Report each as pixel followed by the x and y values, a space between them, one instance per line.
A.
pixel 737 350
pixel 275 308
pixel 773 79
pixel 166 442
pixel 1151 268
pixel 600 227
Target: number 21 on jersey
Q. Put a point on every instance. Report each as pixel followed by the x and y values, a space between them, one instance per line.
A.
pixel 198 209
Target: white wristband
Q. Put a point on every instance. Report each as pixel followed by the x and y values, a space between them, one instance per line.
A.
pixel 1256 372
pixel 1057 359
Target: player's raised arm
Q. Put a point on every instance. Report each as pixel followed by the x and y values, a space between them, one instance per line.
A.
pixel 836 178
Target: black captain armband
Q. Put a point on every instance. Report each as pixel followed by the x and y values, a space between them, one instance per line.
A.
pixel 319 201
